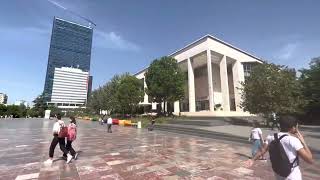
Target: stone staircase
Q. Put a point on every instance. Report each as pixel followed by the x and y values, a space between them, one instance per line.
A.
pixel 217 121
pixel 195 126
pixel 189 130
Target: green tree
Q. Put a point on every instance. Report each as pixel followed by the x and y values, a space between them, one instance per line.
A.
pixel 165 81
pixel 129 93
pixel 3 110
pixel 94 101
pixel 271 88
pixel 31 112
pixel 13 110
pixel 22 110
pixel 105 97
pixel 310 80
pixel 110 89
pixel 54 110
pixel 40 105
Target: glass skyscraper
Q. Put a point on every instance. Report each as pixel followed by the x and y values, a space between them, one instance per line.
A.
pixel 70 46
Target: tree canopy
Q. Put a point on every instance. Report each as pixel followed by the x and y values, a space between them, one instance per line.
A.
pixel 310 80
pixel 39 105
pixel 165 80
pixel 272 88
pixel 130 92
pixel 119 95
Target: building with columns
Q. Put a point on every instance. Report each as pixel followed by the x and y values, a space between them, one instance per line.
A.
pixel 214 69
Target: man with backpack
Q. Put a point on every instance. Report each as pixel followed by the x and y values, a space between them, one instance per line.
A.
pixel 285 148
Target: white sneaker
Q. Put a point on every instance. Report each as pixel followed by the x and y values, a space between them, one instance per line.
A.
pixel 69 158
pixel 48 162
pixel 75 156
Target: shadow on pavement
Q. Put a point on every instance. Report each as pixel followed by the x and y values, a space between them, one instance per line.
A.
pixel 203 133
pixel 243 155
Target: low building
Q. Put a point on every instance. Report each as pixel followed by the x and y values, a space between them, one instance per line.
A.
pixel 3 98
pixel 70 88
pixel 215 70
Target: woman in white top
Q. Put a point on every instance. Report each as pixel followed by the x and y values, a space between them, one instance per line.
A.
pixel 256 139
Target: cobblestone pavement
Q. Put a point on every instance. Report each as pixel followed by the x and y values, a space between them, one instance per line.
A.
pixel 127 153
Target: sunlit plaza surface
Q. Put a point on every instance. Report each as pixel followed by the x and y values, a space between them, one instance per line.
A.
pixel 127 153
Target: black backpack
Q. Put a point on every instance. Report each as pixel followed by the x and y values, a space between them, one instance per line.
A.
pixel 279 159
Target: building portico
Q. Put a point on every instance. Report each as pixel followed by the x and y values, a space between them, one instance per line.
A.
pixel 214 71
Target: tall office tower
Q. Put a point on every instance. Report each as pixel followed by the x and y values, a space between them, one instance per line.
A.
pixel 70 46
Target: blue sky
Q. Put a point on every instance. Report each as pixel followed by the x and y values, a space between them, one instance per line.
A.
pixel 130 34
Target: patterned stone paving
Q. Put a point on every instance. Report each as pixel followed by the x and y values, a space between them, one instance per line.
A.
pixel 127 153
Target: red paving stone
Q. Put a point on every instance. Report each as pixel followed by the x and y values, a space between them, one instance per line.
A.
pixel 128 153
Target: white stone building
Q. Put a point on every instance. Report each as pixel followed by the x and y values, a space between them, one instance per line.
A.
pixel 214 69
pixel 3 98
pixel 70 87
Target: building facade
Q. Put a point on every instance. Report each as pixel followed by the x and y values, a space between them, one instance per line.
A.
pixel 3 98
pixel 70 46
pixel 70 88
pixel 214 71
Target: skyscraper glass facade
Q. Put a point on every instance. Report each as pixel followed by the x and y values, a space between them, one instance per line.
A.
pixel 70 46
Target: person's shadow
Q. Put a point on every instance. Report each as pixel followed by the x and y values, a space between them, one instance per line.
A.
pixel 64 158
pixel 243 156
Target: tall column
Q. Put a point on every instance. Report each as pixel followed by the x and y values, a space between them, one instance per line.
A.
pixel 224 84
pixel 192 99
pixel 154 106
pixel 238 77
pixel 145 98
pixel 176 107
pixel 210 83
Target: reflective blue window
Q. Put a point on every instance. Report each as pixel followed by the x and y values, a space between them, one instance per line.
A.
pixel 70 46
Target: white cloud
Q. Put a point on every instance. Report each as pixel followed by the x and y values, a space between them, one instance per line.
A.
pixel 37 30
pixel 111 40
pixel 23 31
pixel 57 4
pixel 288 50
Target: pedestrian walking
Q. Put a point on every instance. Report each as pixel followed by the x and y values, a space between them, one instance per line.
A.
pixel 256 138
pixel 153 121
pixel 285 148
pixel 59 134
pixel 109 124
pixel 101 120
pixel 72 135
pixel 104 119
pixel 275 122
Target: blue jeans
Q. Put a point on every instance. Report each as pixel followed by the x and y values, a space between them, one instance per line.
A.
pixel 256 145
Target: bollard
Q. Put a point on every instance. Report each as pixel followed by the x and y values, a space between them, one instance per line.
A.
pixel 139 125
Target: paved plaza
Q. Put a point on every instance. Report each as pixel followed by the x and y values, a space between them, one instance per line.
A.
pixel 127 153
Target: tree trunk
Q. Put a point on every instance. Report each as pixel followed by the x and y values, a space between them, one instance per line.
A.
pixel 131 112
pixel 159 109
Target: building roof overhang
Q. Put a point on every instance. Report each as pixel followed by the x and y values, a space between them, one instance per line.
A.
pixel 208 36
